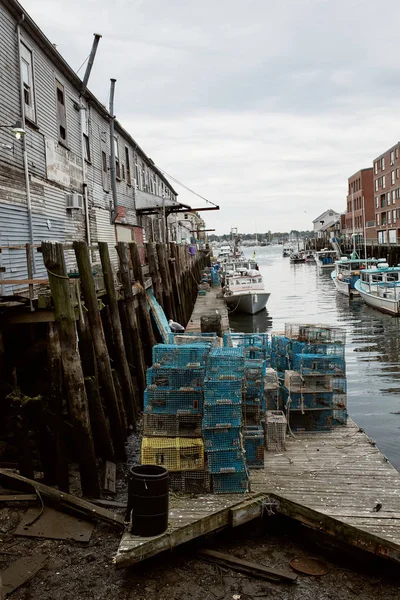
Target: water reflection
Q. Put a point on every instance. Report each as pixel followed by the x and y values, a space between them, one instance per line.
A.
pixel 300 294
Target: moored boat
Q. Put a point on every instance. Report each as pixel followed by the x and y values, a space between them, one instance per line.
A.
pixel 347 272
pixel 245 292
pixel 380 288
pixel 325 259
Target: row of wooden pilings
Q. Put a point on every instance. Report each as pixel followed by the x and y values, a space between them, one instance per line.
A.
pixel 98 349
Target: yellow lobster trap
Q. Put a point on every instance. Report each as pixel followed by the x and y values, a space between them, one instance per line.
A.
pixel 174 454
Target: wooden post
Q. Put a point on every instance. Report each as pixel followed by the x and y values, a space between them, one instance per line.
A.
pixel 53 257
pixel 55 396
pixel 100 348
pixel 131 315
pixel 121 354
pixel 120 401
pixel 173 269
pixel 151 251
pixel 147 328
pixel 168 306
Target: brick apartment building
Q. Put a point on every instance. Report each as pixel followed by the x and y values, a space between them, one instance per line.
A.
pixel 387 195
pixel 360 199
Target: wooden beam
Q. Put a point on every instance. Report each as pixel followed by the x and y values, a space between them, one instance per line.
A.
pixel 23 281
pixel 244 566
pixel 62 500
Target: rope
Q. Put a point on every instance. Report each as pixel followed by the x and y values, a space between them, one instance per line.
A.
pixel 59 276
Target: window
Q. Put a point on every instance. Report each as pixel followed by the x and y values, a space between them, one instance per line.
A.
pixel 104 168
pixel 392 157
pixel 397 153
pixel 397 173
pixel 376 184
pixel 377 201
pixel 27 82
pixel 117 165
pixel 393 196
pixel 376 168
pixel 123 171
pixel 377 218
pixel 86 144
pixel 61 113
pixel 394 216
pixel 389 217
pixel 388 198
pixel 383 181
pixel 383 201
pixel 383 163
pixel 128 167
pixel 392 177
pixel 137 174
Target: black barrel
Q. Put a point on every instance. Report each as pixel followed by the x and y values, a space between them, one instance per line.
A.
pixel 147 509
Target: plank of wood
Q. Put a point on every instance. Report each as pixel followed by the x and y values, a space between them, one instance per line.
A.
pixel 245 566
pixel 61 500
pixel 110 477
pixel 23 281
pixel 109 503
pixel 18 497
pixel 20 571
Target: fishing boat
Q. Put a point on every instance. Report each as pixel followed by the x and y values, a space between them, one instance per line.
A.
pixel 347 272
pixel 286 250
pixel 380 288
pixel 325 259
pixel 245 292
pixel 297 257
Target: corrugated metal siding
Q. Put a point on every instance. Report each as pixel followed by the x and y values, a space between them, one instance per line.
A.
pixel 105 232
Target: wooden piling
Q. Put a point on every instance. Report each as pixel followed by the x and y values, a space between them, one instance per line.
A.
pixel 173 270
pixel 53 257
pixel 55 401
pixel 151 251
pixel 100 348
pixel 162 263
pixel 131 316
pixel 145 320
pixel 121 353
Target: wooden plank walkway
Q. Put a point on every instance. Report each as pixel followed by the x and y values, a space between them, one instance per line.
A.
pixel 206 306
pixel 329 481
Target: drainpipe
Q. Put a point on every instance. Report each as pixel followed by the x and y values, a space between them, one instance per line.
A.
pixel 82 113
pixel 113 170
pixel 24 152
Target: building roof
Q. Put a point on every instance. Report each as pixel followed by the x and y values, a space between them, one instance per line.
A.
pixel 37 34
pixel 324 213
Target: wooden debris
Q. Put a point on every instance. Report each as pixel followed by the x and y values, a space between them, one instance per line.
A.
pixel 110 476
pixel 61 500
pixel 19 572
pixel 52 524
pixel 18 497
pixel 244 566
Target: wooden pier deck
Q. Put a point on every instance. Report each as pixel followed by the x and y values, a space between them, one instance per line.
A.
pixel 208 305
pixel 332 482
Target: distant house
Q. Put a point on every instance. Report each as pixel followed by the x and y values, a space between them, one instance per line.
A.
pixel 326 223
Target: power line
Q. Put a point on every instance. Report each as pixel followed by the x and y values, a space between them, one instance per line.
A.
pixel 186 187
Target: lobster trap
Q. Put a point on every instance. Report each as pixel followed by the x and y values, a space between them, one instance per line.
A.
pixel 226 461
pixel 174 454
pixel 190 482
pixel 217 389
pixel 182 339
pixel 281 344
pixel 175 378
pixel 315 333
pixel 302 401
pixel 252 414
pixel 230 483
pixel 275 430
pixel 309 364
pixel 317 420
pixel 173 401
pixel 253 437
pixel 272 399
pixel 172 355
pixel 308 383
pixel 327 349
pixel 164 425
pixel 225 362
pixel 223 413
pixel 222 438
pixel 255 345
pixel 271 381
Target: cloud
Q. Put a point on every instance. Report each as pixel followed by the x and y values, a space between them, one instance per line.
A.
pixel 264 107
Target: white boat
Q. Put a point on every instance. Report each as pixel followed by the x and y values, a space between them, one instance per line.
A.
pixel 347 272
pixel 325 259
pixel 380 288
pixel 245 292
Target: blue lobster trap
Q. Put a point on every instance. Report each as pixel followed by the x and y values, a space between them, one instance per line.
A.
pixel 175 378
pixel 230 483
pixel 256 345
pixel 225 362
pixel 312 363
pixel 224 413
pixel 311 420
pixel 222 438
pixel 226 461
pixel 172 355
pixel 254 446
pixel 173 401
pixel 302 401
pixel 223 390
pixel 280 362
pixel 281 344
pixel 327 349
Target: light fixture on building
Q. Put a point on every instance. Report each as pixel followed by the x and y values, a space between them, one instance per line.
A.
pixel 15 129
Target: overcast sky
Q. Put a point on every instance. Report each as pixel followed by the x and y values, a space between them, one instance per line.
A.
pixel 265 107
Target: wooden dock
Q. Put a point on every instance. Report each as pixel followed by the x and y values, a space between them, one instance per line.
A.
pixel 333 482
pixel 208 305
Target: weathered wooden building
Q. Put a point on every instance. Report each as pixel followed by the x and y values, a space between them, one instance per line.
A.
pixel 55 181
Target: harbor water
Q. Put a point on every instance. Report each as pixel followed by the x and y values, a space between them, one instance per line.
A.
pixel 299 294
